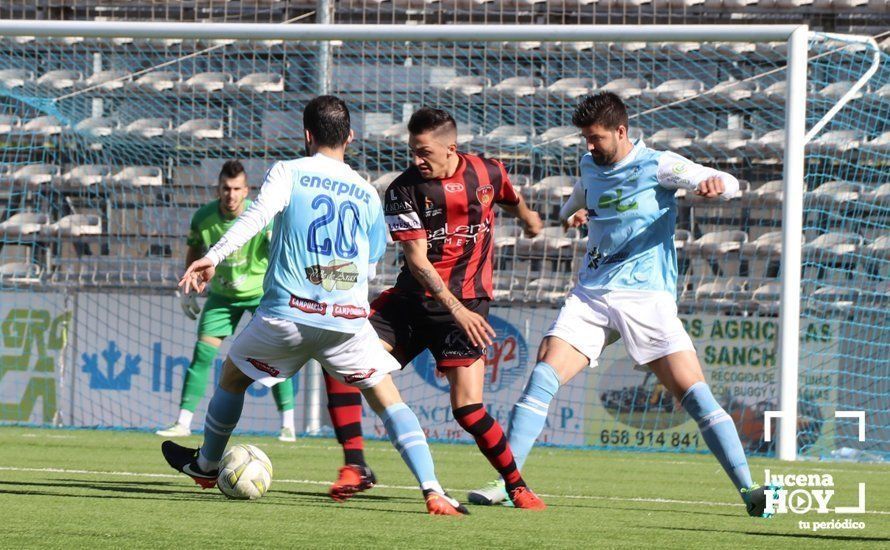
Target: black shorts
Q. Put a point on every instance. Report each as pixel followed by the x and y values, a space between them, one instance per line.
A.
pixel 411 323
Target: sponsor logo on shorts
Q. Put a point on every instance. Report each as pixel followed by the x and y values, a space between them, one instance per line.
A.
pixel 339 274
pixel 265 367
pixel 349 311
pixel 454 187
pixel 358 376
pixel 308 306
pixel 485 194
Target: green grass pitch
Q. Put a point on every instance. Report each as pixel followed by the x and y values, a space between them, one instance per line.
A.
pixel 79 488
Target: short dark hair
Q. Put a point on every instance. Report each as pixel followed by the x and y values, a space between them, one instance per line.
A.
pixel 230 169
pixel 605 109
pixel 429 119
pixel 327 119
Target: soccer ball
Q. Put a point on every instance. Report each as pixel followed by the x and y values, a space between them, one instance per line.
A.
pixel 245 473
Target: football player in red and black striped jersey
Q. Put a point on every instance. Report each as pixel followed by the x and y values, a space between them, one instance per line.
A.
pixel 441 211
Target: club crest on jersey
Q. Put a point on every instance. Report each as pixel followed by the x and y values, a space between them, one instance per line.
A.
pixel 485 194
pixel 265 367
pixel 454 187
pixel 308 306
pixel 337 274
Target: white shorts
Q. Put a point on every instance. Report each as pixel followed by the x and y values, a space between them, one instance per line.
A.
pixel 647 321
pixel 271 350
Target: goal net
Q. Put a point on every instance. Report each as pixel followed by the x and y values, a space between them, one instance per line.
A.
pixel 110 144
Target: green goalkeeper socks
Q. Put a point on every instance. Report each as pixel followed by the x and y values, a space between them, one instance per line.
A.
pixel 196 376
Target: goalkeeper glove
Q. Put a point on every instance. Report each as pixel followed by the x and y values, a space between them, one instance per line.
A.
pixel 189 303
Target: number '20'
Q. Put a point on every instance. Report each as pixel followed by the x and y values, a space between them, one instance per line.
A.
pixel 344 241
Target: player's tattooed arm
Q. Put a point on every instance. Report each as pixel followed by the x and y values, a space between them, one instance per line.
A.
pixel 474 325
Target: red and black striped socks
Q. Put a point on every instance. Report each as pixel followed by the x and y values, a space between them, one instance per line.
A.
pixel 345 408
pixel 491 441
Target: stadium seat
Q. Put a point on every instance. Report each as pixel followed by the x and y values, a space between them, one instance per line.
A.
pixel 835 192
pixel 767 297
pixel 725 145
pixel 43 125
pixel 15 78
pixel 771 192
pixel 838 5
pixel 772 51
pixel 624 48
pixel 731 91
pixel 261 83
pixel 517 86
pixel 23 223
pixel 682 237
pixel 467 85
pixel 149 127
pixel 728 49
pixel 36 174
pixel 626 88
pixel 680 49
pixel 97 127
pixel 548 289
pixel 783 4
pixel 768 148
pixel 880 247
pixel 570 88
pixel 728 5
pixel 723 295
pixel 879 146
pixel 832 246
pixel 831 300
pixel 201 128
pixel 397 133
pixel 505 137
pixel 836 142
pixel 561 136
pixel 59 80
pixel 879 6
pixel 86 175
pixel 718 242
pixel 207 82
pixel 766 245
pixel 881 195
pixel 551 191
pixel 672 139
pixel 551 244
pixel 9 124
pixel 158 81
pixel 836 90
pixel 675 90
pixel 522 45
pixel 381 183
pixel 107 80
pixel 139 176
pixel 20 272
pixel 466 132
pixel 774 94
pixel 74 225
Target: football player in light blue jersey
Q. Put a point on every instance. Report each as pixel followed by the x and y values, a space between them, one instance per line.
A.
pixel 327 236
pixel 627 288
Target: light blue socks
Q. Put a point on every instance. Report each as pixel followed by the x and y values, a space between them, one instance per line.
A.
pixel 408 438
pixel 718 431
pixel 529 414
pixel 222 417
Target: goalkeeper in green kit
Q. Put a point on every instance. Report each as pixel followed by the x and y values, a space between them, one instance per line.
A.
pixel 237 288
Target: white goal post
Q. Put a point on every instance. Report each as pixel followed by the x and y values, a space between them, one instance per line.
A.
pixel 796 37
